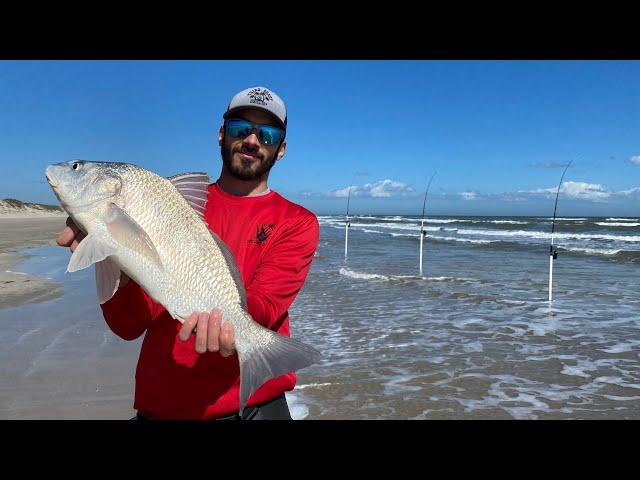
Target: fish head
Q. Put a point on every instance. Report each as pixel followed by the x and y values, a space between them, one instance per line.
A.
pixel 82 185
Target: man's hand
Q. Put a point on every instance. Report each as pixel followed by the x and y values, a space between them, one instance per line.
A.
pixel 71 236
pixel 212 335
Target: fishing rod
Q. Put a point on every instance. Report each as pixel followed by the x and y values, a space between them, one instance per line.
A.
pixel 422 230
pixel 346 223
pixel 553 251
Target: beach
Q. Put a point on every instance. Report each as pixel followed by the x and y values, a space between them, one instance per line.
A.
pixel 473 337
pixel 21 232
pixel 59 359
pixel 41 341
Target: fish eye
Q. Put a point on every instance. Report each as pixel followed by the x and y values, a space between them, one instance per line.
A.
pixel 76 165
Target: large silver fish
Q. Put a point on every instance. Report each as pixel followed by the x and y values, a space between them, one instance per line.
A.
pixel 152 229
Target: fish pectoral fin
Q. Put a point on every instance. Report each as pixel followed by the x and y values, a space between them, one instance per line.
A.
pixel 127 232
pixel 90 250
pixel 107 279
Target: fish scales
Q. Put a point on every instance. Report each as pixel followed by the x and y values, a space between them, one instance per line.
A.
pixel 195 274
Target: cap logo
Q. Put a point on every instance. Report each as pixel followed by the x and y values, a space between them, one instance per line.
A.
pixel 259 96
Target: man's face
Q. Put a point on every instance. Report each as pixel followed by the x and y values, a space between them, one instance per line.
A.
pixel 247 158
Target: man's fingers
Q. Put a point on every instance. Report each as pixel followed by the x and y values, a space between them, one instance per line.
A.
pixel 213 344
pixel 188 326
pixel 226 339
pixel 212 333
pixel 74 245
pixel 70 236
pixel 70 231
pixel 65 237
pixel 201 334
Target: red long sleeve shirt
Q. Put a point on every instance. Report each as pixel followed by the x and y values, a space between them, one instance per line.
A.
pixel 273 241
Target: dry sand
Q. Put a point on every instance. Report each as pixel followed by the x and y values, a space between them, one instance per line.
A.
pixel 17 232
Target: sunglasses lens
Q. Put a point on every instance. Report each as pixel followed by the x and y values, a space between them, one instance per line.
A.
pixel 238 128
pixel 270 135
pixel 242 128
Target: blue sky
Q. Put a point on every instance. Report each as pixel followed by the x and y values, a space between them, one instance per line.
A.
pixel 496 132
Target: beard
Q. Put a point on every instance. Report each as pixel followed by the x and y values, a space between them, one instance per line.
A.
pixel 244 169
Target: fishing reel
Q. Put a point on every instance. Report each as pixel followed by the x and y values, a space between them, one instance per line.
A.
pixel 424 233
pixel 553 251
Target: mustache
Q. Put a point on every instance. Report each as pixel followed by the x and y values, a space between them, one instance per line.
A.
pixel 252 151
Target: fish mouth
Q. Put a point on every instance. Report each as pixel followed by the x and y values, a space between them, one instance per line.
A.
pixel 51 179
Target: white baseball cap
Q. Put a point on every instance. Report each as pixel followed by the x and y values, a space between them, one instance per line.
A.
pixel 259 97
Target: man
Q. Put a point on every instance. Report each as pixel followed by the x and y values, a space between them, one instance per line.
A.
pixel 190 371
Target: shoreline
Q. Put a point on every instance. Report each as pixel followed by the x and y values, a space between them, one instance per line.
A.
pixel 23 232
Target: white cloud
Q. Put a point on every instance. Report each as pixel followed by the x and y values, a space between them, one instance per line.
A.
pixel 632 192
pixel 590 192
pixel 539 191
pixel 584 191
pixel 469 195
pixel 343 192
pixel 388 188
pixel 635 159
pixel 577 190
pixel 381 188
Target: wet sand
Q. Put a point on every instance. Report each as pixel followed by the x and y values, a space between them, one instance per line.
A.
pixel 16 233
pixel 59 359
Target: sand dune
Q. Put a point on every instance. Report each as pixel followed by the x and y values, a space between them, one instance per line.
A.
pixel 11 208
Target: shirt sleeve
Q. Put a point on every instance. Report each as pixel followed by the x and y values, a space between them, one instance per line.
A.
pixel 130 311
pixel 282 271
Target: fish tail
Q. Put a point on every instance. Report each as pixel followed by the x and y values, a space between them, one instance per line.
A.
pixel 270 355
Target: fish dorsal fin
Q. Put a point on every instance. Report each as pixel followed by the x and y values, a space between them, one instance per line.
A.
pixel 128 233
pixel 194 188
pixel 233 268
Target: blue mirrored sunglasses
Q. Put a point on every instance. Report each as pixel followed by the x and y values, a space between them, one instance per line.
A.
pixel 267 134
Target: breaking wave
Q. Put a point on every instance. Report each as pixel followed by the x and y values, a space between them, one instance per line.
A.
pixel 617 224
pixel 398 278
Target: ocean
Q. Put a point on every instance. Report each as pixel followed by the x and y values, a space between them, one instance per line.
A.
pixel 473 337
